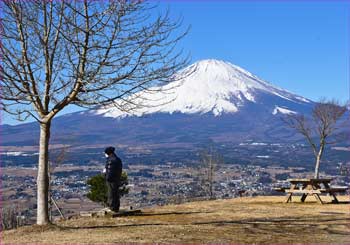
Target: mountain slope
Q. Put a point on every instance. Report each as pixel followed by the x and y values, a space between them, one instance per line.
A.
pixel 216 102
pixel 208 86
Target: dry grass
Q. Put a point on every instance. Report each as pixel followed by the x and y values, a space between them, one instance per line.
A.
pixel 260 220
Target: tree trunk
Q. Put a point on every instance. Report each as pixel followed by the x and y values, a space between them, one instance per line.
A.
pixel 318 161
pixel 43 178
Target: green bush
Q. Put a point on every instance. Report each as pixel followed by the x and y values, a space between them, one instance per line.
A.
pixel 98 188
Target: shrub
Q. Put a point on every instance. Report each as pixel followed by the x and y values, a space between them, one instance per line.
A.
pixel 98 188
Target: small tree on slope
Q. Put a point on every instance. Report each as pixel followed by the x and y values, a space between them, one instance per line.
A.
pixel 318 129
pixel 98 188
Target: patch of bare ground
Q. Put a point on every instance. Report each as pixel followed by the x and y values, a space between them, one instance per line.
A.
pixel 257 220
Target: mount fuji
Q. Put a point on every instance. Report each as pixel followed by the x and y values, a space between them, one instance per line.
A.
pixel 216 102
pixel 214 87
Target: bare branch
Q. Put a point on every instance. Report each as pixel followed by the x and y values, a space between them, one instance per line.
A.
pixel 88 53
pixel 300 124
pixel 325 117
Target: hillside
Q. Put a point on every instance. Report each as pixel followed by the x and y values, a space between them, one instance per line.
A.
pixel 257 220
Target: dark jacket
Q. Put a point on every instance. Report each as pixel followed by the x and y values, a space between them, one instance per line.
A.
pixel 114 168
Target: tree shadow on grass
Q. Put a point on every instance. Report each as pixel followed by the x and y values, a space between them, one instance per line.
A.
pixel 63 227
pixel 108 226
pixel 298 202
pixel 287 224
pixel 276 221
pixel 170 213
pixel 340 202
pixel 263 222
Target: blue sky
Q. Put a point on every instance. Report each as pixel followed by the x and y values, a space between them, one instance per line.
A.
pixel 301 46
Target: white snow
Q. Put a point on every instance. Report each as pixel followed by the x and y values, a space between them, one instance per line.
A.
pixel 12 153
pixel 282 110
pixel 302 99
pixel 18 153
pixel 254 144
pixel 213 86
pixel 257 143
pixel 263 156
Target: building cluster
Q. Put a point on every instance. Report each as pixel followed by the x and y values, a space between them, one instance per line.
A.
pixel 171 182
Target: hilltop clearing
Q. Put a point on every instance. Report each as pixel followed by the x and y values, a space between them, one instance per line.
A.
pixel 261 220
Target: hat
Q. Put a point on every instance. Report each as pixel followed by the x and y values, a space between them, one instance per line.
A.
pixel 109 150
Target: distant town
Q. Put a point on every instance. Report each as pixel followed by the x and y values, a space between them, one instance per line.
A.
pixel 161 183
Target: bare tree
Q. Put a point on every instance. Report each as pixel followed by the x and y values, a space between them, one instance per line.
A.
pixel 86 53
pixel 210 161
pixel 318 129
pixel 56 162
pixel 11 217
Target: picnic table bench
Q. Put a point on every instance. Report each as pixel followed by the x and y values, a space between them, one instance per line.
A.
pixel 311 187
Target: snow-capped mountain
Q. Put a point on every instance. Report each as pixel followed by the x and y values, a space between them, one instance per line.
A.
pixel 215 102
pixel 207 86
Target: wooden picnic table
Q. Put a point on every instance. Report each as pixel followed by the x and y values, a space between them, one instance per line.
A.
pixel 312 187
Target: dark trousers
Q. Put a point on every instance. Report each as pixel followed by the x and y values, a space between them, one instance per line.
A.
pixel 113 197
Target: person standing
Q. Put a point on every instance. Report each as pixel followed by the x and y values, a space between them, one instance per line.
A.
pixel 113 169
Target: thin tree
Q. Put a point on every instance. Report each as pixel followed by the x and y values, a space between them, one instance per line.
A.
pixel 56 162
pixel 210 161
pixel 318 129
pixel 86 53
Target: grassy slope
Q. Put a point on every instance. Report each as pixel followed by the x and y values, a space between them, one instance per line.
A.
pixel 262 220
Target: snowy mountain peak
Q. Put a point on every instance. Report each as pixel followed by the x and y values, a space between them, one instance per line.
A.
pixel 211 86
pixel 229 77
pixel 219 68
